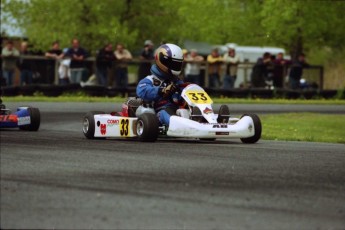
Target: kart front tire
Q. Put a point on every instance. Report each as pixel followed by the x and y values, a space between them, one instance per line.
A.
pixel 223 114
pixel 89 124
pixel 147 127
pixel 257 130
pixel 35 120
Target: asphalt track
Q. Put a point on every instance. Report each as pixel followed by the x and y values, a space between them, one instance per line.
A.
pixel 57 179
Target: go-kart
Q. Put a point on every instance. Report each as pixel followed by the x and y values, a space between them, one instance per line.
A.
pixel 197 120
pixel 25 118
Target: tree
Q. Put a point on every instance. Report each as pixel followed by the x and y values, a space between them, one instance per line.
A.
pixel 294 24
pixel 299 25
pixel 93 22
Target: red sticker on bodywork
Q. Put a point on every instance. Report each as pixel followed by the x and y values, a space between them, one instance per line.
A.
pixel 103 129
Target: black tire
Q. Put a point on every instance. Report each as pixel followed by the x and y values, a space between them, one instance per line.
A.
pixel 257 130
pixel 35 120
pixel 89 124
pixel 147 127
pixel 223 114
pixel 197 115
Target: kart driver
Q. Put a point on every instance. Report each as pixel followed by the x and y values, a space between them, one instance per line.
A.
pixel 161 87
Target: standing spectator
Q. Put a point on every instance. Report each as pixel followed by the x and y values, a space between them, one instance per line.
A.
pixel 215 62
pixel 25 65
pixel 280 70
pixel 104 61
pixel 64 70
pixel 147 56
pixel 185 53
pixel 9 56
pixel 260 71
pixel 193 67
pixel 296 71
pixel 77 66
pixel 55 54
pixel 231 60
pixel 122 56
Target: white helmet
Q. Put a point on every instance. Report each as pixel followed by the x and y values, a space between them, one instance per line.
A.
pixel 169 59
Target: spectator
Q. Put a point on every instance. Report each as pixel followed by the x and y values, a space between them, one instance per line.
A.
pixel 77 66
pixel 280 69
pixel 185 53
pixel 147 56
pixel 123 56
pixel 104 60
pixel 296 71
pixel 64 70
pixel 260 72
pixel 231 60
pixel 9 56
pixel 25 65
pixel 215 62
pixel 55 54
pixel 193 67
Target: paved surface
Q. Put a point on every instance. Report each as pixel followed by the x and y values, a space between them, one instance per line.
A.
pixel 55 178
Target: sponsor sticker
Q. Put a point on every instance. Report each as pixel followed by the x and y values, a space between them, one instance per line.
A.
pixel 222 133
pixel 220 126
pixel 24 120
pixel 207 110
pixel 112 122
pixel 8 118
pixel 103 129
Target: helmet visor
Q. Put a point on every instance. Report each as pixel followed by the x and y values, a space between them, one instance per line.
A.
pixel 171 63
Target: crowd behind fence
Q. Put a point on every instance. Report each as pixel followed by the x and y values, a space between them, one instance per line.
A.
pixel 45 71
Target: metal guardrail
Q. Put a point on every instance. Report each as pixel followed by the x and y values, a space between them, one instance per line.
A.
pixel 48 66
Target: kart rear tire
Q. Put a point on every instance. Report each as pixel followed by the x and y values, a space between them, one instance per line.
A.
pixel 147 127
pixel 257 130
pixel 35 120
pixel 89 124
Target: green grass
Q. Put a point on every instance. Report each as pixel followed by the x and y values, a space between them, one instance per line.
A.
pixel 84 98
pixel 310 127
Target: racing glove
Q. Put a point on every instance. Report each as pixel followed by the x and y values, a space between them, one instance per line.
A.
pixel 168 90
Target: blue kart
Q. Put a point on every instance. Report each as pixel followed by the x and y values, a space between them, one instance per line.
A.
pixel 25 118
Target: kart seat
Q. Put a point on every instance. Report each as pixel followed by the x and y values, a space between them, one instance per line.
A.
pixel 133 104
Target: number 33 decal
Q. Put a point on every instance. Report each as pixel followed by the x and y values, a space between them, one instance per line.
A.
pixel 124 129
pixel 198 96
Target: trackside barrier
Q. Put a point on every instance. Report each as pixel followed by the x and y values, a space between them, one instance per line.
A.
pixel 100 91
pixel 47 71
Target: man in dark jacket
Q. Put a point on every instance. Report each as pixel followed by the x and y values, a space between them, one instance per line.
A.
pixel 260 71
pixel 25 65
pixel 147 55
pixel 104 61
pixel 78 56
pixel 296 71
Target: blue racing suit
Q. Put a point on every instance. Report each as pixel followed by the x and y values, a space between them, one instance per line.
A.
pixel 149 89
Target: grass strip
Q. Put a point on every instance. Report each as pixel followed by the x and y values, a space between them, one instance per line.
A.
pixel 70 98
pixel 311 127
